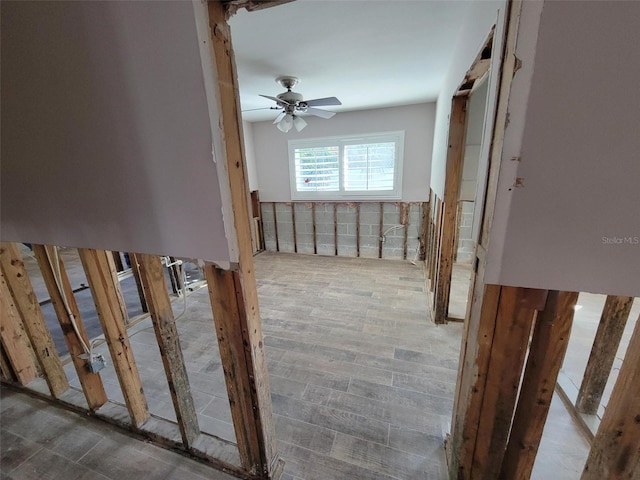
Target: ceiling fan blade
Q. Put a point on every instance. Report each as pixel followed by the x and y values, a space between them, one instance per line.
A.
pixel 277 100
pixel 280 117
pixel 323 102
pixel 263 108
pixel 320 113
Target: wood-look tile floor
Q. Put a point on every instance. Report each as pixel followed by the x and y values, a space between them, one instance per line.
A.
pixel 362 381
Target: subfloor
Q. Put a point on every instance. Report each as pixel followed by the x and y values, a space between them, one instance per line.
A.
pixel 362 383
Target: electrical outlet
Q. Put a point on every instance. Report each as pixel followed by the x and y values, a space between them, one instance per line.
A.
pixel 96 363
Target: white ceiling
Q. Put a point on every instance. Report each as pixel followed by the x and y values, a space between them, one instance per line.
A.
pixel 368 53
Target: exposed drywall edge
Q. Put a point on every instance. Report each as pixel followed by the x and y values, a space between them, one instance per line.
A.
pixel 209 73
pixel 528 26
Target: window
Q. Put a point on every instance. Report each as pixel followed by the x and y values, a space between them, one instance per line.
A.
pixel 335 168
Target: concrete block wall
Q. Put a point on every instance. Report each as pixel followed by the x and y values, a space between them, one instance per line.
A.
pixel 343 216
pixel 465 241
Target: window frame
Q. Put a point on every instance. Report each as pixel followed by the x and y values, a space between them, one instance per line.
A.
pixel 341 140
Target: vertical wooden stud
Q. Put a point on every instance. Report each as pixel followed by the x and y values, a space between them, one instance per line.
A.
pixel 101 280
pixel 603 353
pixel 615 450
pixel 14 339
pixel 404 220
pixel 234 295
pixel 117 260
pixel 29 310
pixel 155 286
pixel 5 366
pixel 135 269
pixel 546 353
pixel 516 313
pixel 90 382
pixel 293 224
pixel 357 230
pixel 275 226
pixel 118 288
pixel 455 159
pixel 381 230
pixel 313 224
pixel 335 229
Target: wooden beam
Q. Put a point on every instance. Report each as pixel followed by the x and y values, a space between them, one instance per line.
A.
pixel 91 383
pixel 155 286
pixel 234 293
pixel 275 226
pixel 516 313
pixel 615 451
pixel 404 220
pixel 425 230
pixel 335 229
pixel 100 276
pixel 603 353
pixel 117 260
pixel 313 224
pixel 5 366
pixel 455 160
pixel 135 270
pixel 118 287
pixel 381 231
pixel 293 225
pixel 546 353
pixel 357 230
pixel 28 308
pixel 492 358
pixel 14 339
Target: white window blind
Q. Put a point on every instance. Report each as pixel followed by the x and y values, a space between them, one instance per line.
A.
pixel 334 168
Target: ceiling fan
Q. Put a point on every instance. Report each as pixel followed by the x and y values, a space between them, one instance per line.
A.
pixel 292 104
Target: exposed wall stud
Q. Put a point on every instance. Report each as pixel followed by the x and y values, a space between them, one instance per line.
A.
pixel 293 223
pixel 233 294
pixel 29 310
pixel 546 353
pixel 335 228
pixel 455 159
pixel 14 339
pixel 615 450
pixel 357 230
pixel 164 326
pixel 135 269
pixel 404 220
pixel 103 289
pixel 603 353
pixel 313 221
pixel 381 231
pixel 275 226
pixel 90 382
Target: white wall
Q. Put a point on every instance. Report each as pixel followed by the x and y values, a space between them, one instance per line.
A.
pixel 250 156
pixel 271 146
pixel 106 131
pixel 481 17
pixel 575 223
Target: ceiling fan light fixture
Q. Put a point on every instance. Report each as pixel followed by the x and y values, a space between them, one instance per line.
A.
pixel 286 123
pixel 299 123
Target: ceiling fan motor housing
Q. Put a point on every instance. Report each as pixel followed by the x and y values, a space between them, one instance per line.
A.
pixel 290 97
